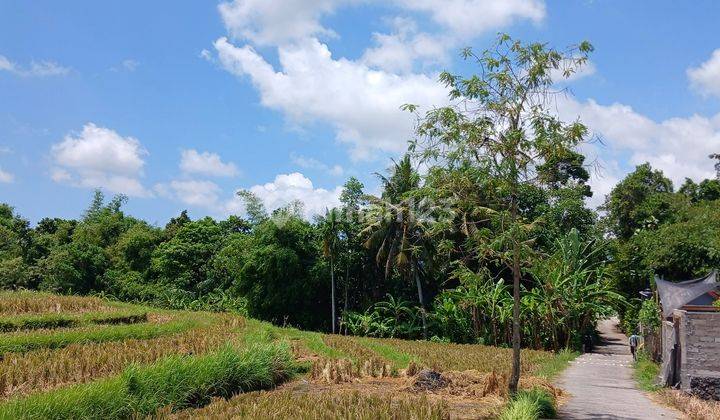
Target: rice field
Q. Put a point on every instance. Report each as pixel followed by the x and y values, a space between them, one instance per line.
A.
pixel 86 357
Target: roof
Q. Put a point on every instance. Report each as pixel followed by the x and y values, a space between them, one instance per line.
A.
pixel 691 294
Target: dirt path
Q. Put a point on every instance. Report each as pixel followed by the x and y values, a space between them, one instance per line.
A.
pixel 602 386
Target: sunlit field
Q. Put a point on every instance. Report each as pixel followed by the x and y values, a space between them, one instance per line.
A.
pixel 85 357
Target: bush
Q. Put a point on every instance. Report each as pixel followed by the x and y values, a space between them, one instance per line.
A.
pixel 530 404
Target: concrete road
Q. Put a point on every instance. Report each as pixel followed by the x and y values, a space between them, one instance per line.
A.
pixel 602 386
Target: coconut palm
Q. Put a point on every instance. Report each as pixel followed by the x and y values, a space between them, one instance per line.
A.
pixel 330 228
pixel 398 227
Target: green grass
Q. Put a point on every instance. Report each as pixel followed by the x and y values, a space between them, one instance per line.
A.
pixel 552 367
pixel 264 332
pixel 177 382
pixel 399 359
pixel 27 341
pixel 646 372
pixel 58 320
pixel 530 404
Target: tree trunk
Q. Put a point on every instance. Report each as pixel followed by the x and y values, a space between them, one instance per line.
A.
pixel 422 303
pixel 515 375
pixel 332 292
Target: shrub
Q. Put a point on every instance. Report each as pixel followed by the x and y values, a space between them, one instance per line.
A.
pixel 530 404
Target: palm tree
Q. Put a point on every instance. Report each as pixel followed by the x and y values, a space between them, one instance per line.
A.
pixel 330 227
pixel 398 227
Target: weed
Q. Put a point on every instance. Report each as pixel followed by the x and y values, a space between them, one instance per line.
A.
pixel 646 372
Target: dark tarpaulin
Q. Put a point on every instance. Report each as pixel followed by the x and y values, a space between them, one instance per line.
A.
pixel 675 295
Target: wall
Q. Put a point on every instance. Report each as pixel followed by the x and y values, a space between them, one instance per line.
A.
pixel 699 335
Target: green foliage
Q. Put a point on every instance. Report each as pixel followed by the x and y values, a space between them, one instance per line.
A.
pixel 646 372
pixel 182 261
pixel 178 382
pixel 389 318
pixel 532 404
pixel 281 276
pixel 650 315
pixel 643 197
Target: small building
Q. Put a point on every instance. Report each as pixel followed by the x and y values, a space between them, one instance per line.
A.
pixel 691 335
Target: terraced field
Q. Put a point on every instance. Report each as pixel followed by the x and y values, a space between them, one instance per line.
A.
pixel 82 357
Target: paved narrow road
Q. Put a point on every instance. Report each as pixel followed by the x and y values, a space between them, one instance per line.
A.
pixel 601 384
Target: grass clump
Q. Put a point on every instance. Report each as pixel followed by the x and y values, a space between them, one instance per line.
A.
pixel 646 372
pixel 27 341
pixel 532 404
pixel 174 383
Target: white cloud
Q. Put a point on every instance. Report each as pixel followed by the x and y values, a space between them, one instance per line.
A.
pixel 6 177
pixel 206 163
pixel 363 105
pixel 310 163
pixel 470 18
pixel 360 98
pixel 99 157
pixel 130 64
pixel 37 68
pixel 278 22
pixel 705 79
pixel 295 186
pixel 284 189
pixel 678 146
pixel 268 22
pixel 400 50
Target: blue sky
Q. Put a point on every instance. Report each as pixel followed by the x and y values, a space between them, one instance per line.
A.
pixel 179 104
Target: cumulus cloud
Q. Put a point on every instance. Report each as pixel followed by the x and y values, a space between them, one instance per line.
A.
pixel 470 18
pixel 360 98
pixel 268 22
pixel 406 45
pixel 705 78
pixel 295 186
pixel 363 105
pixel 206 163
pixel 6 177
pixel 678 146
pixel 43 68
pixel 284 189
pixel 311 163
pixel 99 157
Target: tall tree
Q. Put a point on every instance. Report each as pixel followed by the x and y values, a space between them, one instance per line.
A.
pixel 330 228
pixel 502 119
pixel 398 227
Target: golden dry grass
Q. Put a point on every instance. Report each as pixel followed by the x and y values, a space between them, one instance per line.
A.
pixel 448 356
pixel 26 302
pixel 326 405
pixel 351 347
pixel 693 407
pixel 46 369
